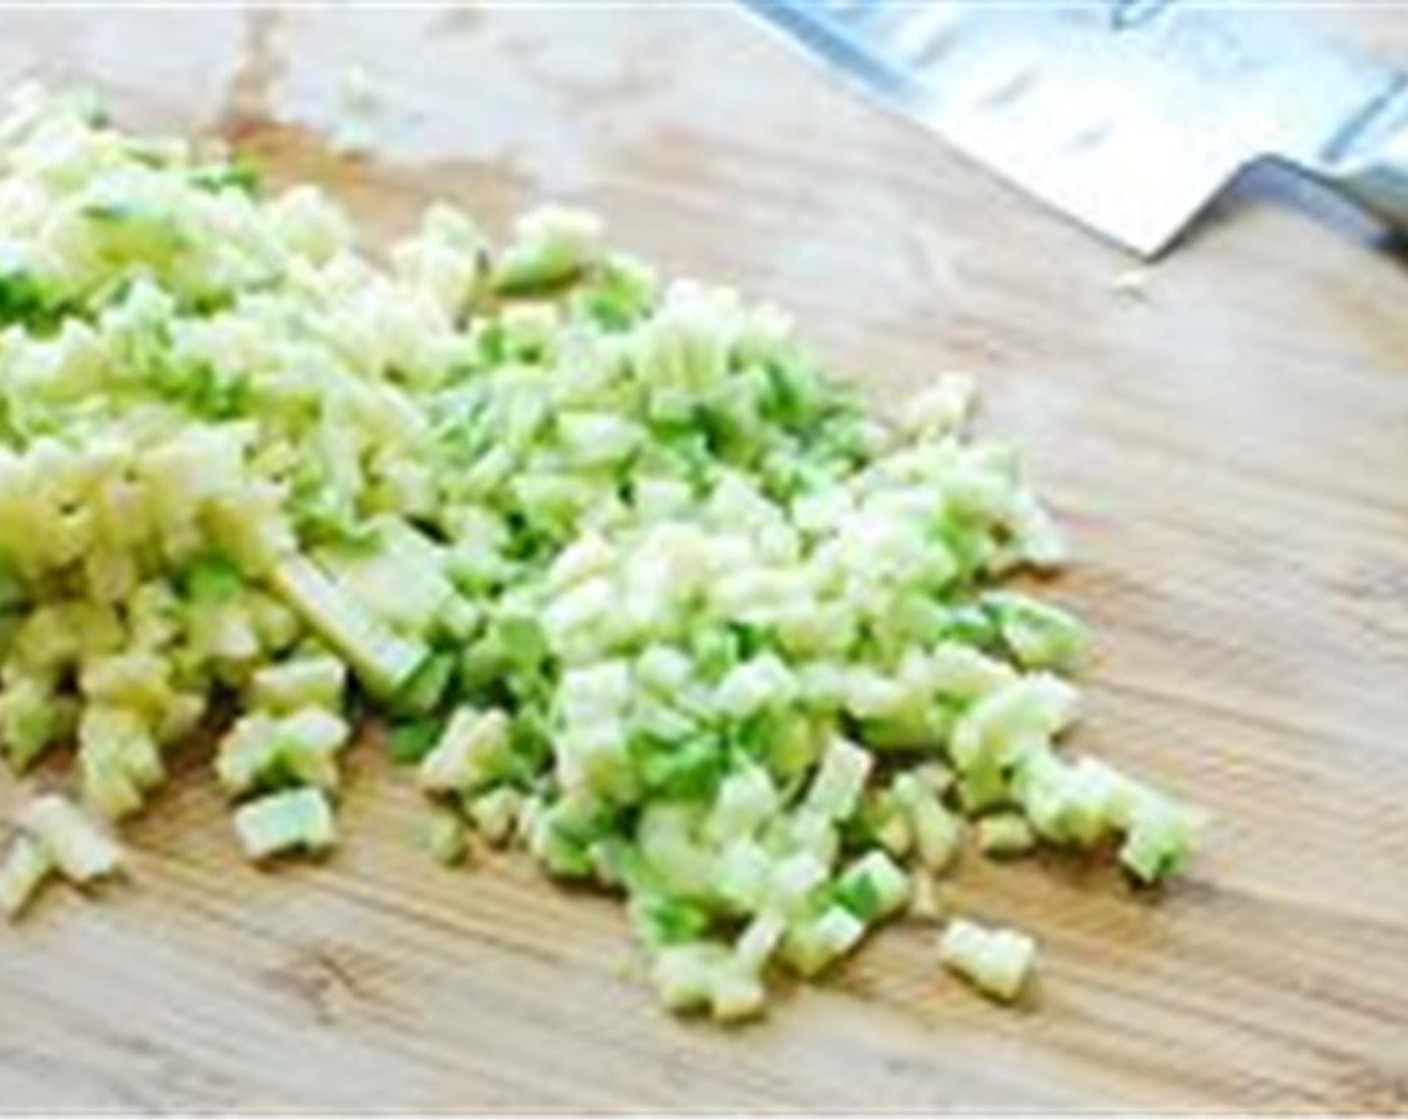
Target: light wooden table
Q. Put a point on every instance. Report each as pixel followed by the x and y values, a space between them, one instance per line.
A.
pixel 1231 452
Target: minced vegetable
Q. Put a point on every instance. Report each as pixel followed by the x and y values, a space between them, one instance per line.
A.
pixel 633 580
pixel 995 961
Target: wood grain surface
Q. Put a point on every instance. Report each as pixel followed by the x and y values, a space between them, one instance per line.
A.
pixel 1229 447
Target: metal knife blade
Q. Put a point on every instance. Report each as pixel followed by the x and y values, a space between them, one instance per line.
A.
pixel 1127 115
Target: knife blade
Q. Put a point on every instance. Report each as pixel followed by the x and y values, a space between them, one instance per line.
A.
pixel 1127 115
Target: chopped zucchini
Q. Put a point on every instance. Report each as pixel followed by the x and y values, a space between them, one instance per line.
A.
pixel 80 850
pixel 288 821
pixel 27 865
pixel 995 961
pixel 638 584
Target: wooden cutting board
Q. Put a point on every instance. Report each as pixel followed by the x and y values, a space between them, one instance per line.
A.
pixel 1227 441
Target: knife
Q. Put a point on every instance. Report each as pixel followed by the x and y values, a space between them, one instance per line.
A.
pixel 1129 116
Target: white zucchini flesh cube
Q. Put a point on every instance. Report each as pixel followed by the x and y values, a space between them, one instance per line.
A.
pixel 736 994
pixel 760 939
pixel 1005 724
pixel 925 902
pixel 1005 834
pixel 1162 835
pixel 666 836
pixel 836 789
pixel 470 749
pixel 937 832
pixel 300 746
pixel 495 813
pixel 755 685
pixel 294 820
pixel 315 680
pixel 995 961
pixel 745 800
pixel 445 837
pixel 26 867
pixel 683 975
pixel 78 847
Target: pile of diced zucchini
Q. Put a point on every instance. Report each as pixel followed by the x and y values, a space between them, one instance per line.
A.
pixel 621 571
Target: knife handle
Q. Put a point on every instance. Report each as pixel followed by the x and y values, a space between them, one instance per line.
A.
pixel 1370 164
